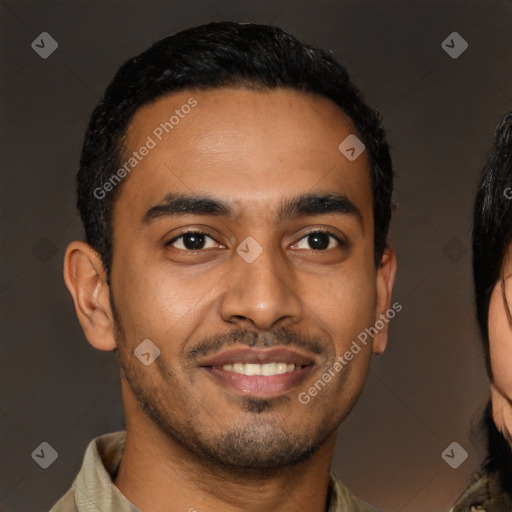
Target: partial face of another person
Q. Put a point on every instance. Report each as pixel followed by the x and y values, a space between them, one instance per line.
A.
pixel 271 272
pixel 500 347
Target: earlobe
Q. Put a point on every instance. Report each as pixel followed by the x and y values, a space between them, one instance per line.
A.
pixel 85 278
pixel 385 279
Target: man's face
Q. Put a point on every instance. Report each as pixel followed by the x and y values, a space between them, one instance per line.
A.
pixel 262 289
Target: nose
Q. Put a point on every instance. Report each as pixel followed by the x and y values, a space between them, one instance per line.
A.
pixel 261 294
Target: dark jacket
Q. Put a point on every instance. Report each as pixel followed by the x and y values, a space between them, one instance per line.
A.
pixel 490 490
pixel 484 494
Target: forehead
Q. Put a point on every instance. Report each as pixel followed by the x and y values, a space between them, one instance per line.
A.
pixel 251 147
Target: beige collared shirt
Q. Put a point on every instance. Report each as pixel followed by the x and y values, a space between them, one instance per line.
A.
pixel 94 491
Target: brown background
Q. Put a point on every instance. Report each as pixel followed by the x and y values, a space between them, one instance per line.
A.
pixel 426 391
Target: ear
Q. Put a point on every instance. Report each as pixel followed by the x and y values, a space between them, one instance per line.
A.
pixel 385 279
pixel 501 410
pixel 85 278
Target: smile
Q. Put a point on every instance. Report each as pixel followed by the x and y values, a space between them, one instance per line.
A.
pixel 259 372
pixel 266 369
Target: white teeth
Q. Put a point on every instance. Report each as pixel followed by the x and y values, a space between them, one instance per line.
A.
pixel 281 368
pixel 237 367
pixel 252 369
pixel 266 369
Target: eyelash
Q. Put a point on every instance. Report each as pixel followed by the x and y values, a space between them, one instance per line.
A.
pixel 194 232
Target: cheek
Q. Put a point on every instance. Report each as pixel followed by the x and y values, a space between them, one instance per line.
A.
pixel 157 303
pixel 500 344
pixel 343 302
pixel 145 298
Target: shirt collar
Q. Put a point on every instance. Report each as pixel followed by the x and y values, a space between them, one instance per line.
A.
pixel 94 488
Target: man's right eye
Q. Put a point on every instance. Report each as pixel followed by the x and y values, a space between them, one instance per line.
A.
pixel 193 241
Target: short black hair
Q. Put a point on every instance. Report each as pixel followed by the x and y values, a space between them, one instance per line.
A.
pixel 492 225
pixel 210 56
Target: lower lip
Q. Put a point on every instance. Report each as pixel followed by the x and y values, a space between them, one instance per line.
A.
pixel 260 385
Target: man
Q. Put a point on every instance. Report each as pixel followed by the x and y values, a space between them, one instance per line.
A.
pixel 236 196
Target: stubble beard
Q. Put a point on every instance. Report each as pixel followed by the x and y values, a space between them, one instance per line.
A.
pixel 261 448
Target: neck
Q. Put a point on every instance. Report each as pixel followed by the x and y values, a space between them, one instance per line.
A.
pixel 157 475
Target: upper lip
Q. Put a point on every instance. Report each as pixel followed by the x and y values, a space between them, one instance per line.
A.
pixel 258 356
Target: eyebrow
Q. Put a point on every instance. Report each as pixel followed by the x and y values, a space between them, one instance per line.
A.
pixel 174 205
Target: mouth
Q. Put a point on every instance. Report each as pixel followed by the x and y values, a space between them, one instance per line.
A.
pixel 266 369
pixel 263 373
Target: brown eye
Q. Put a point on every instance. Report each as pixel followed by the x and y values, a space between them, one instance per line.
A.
pixel 193 241
pixel 318 241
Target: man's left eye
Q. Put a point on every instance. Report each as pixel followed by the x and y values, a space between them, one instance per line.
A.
pixel 318 241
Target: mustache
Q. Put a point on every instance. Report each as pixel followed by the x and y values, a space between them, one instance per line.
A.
pixel 251 338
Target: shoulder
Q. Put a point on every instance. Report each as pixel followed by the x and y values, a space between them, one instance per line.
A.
pixel 66 503
pixel 341 499
pixel 483 494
